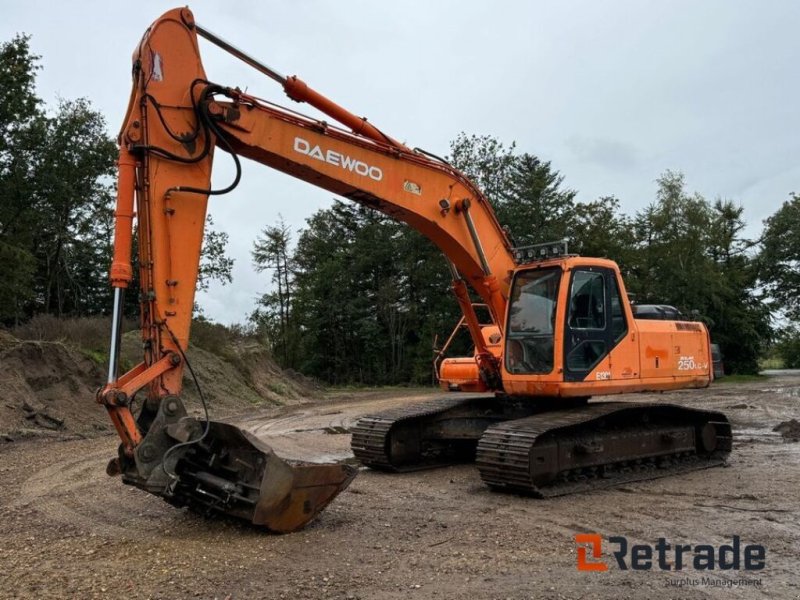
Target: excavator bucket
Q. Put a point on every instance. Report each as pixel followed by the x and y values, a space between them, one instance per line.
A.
pixel 217 468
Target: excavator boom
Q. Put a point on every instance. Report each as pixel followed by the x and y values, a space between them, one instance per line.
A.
pixel 175 121
pixel 561 327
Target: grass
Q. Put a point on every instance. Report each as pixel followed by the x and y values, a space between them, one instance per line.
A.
pixel 278 388
pixel 772 362
pixel 89 334
pixel 98 356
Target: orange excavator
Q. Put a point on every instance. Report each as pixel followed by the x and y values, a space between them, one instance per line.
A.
pixel 560 326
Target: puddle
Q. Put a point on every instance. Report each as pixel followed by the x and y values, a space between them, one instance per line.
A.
pixel 336 430
pixel 757 435
pixel 793 392
pixel 332 430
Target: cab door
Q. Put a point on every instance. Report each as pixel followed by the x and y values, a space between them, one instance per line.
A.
pixel 595 322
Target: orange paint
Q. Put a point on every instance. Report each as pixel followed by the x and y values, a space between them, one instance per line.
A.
pixel 166 148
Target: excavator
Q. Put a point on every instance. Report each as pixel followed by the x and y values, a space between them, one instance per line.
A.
pixel 560 328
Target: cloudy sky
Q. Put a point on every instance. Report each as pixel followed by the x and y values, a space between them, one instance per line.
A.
pixel 612 92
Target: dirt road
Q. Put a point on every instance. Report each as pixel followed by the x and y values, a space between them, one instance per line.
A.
pixel 69 531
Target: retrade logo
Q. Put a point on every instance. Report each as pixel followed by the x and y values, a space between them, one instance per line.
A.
pixel 667 556
pixel 594 542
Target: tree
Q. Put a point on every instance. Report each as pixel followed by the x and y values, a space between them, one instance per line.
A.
pixel 344 261
pixel 272 252
pixel 691 254
pixel 600 229
pixel 485 160
pixel 673 263
pixel 74 198
pixel 779 261
pixel 533 206
pixel 215 265
pixel 21 134
pixel 55 185
pixel 19 105
pixel 526 193
pixel 787 347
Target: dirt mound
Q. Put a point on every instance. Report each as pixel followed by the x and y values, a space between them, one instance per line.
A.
pixel 47 388
pixel 790 430
pixel 283 386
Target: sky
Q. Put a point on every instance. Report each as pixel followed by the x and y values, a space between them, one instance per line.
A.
pixel 613 93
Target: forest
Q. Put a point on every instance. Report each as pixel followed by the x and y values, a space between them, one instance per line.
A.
pixel 56 211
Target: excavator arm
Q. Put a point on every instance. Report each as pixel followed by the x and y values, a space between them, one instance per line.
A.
pixel 571 331
pixel 175 121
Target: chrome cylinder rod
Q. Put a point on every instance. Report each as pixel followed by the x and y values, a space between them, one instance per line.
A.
pixel 240 54
pixel 476 240
pixel 453 270
pixel 116 334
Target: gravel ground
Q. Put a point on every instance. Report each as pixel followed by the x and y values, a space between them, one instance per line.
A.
pixel 69 531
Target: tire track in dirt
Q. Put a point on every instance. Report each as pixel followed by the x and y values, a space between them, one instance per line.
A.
pixel 66 493
pixel 318 433
pixel 442 529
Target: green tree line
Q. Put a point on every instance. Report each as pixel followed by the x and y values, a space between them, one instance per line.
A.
pixel 358 297
pixel 57 171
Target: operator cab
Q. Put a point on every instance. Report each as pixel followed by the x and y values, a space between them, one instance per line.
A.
pixel 592 320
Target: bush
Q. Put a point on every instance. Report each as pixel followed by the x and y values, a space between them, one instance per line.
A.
pixel 788 348
pixel 92 334
pixel 218 338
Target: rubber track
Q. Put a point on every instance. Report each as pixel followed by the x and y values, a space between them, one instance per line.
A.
pixel 371 433
pixel 504 451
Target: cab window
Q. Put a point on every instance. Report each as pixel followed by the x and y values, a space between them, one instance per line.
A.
pixel 587 301
pixel 531 321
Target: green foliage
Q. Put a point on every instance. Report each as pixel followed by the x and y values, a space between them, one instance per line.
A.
pixel 600 229
pixel 525 192
pixel 56 202
pixel 533 205
pixel 273 314
pixel 17 266
pixel 215 265
pixel 74 212
pixel 350 301
pixel 788 348
pixel 485 160
pixel 20 136
pixel 18 102
pixel 779 262
pixel 362 297
pixel 55 192
pixel 690 253
pixel 365 297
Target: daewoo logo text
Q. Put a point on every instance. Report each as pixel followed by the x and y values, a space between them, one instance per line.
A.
pixel 337 159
